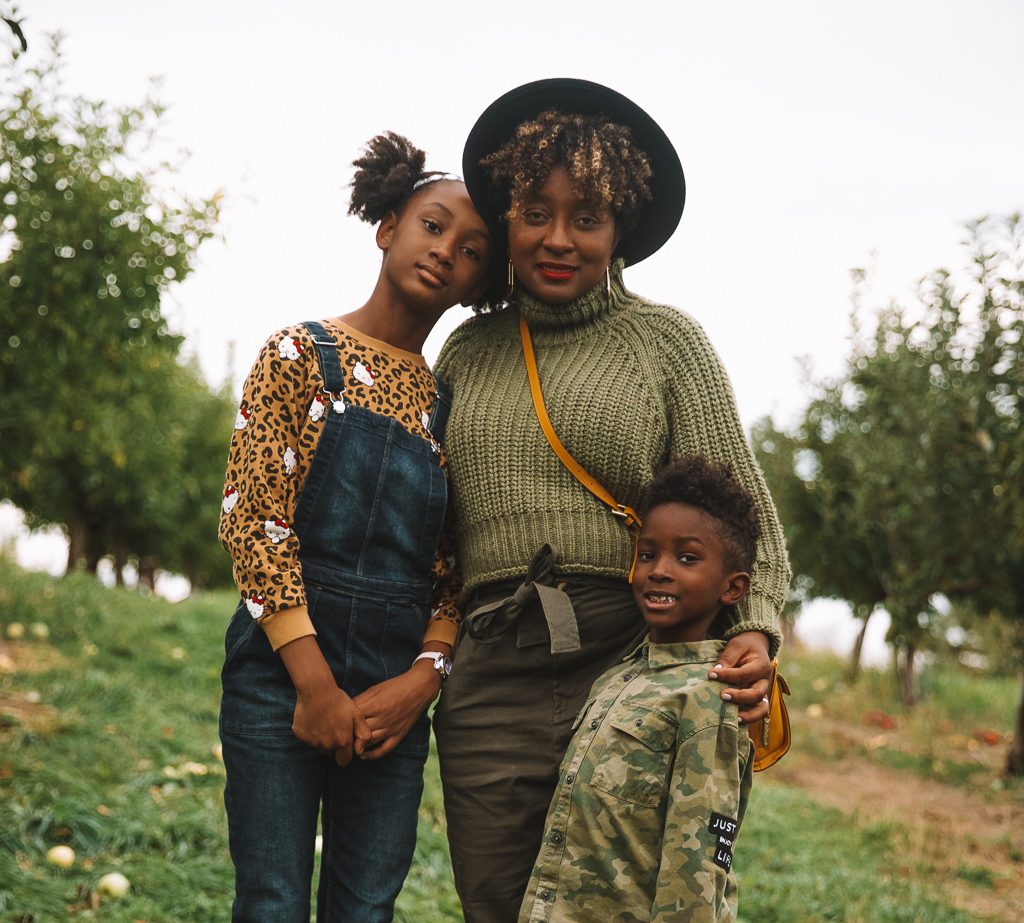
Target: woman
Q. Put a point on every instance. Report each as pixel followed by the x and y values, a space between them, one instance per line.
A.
pixel 332 510
pixel 578 182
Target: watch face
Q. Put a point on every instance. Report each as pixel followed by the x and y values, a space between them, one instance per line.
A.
pixel 443 665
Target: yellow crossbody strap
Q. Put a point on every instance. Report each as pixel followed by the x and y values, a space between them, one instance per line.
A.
pixel 628 515
pixel 771 735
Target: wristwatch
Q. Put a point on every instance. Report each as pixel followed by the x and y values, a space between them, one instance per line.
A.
pixel 442 662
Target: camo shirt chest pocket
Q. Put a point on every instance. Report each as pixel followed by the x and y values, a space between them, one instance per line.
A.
pixel 635 761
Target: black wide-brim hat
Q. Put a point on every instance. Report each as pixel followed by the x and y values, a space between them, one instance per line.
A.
pixel 659 217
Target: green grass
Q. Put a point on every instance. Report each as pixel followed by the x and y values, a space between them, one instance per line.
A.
pixel 107 735
pixel 948 693
pixel 935 739
pixel 799 861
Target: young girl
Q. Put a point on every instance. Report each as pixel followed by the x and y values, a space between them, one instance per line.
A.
pixel 332 511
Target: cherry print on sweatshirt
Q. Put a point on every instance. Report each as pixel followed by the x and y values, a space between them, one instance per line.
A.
pixel 290 348
pixel 277 530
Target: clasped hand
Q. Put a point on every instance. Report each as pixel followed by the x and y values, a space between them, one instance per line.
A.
pixel 369 726
pixel 332 723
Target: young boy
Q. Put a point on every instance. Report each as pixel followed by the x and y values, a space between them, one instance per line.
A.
pixel 657 775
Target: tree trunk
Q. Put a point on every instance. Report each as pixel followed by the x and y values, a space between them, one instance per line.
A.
pixel 93 556
pixel 1015 758
pixel 78 541
pixel 905 674
pixel 147 573
pixel 120 562
pixel 853 669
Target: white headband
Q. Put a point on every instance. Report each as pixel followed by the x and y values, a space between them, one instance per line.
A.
pixel 434 178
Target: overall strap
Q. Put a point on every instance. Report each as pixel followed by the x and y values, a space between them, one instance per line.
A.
pixel 440 411
pixel 327 353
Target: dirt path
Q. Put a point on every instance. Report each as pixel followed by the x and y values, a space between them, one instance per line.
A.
pixel 971 842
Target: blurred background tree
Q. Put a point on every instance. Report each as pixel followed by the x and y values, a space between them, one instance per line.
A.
pixel 9 14
pixel 903 484
pixel 104 431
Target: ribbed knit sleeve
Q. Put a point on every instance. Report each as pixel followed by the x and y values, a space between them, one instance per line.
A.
pixel 703 419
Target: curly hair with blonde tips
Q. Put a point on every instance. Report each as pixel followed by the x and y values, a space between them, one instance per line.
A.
pixel 604 163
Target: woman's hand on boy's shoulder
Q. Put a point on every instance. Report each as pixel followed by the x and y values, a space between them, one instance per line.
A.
pixel 745 668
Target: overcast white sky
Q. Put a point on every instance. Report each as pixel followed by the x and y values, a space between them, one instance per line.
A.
pixel 812 134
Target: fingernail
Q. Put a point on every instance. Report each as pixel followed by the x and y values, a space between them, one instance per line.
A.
pixel 713 675
pixel 717 666
pixel 726 697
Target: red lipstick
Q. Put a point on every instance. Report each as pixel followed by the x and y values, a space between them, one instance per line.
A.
pixel 556 272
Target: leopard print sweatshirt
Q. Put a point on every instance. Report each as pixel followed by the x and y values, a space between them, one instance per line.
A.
pixel 275 437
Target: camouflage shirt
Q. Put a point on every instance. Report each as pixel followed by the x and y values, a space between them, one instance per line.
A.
pixel 651 795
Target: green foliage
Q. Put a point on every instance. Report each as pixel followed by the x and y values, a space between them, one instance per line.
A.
pixel 204 421
pixel 905 479
pixel 100 418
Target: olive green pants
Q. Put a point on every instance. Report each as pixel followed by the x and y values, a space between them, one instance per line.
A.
pixel 506 715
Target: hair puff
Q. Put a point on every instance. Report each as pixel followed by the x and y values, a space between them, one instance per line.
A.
pixel 386 175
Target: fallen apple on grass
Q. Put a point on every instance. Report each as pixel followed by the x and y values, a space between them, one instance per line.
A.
pixel 61 856
pixel 113 884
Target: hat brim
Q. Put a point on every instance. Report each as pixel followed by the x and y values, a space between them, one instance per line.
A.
pixel 659 217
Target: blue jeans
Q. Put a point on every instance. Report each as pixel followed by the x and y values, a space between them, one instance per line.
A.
pixel 277 785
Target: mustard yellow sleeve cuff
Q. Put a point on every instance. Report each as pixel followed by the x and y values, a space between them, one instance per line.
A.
pixel 441 630
pixel 286 625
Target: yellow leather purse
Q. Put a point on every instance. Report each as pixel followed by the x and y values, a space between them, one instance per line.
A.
pixel 771 735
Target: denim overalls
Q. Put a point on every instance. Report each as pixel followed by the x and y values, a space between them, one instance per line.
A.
pixel 368 521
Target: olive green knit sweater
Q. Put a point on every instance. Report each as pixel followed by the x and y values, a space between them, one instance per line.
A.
pixel 628 385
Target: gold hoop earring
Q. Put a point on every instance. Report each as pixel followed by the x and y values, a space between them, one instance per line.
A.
pixel 608 280
pixel 511 278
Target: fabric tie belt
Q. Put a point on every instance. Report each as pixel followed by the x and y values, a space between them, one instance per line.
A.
pixel 490 621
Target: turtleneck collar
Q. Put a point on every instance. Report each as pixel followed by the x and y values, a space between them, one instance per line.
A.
pixel 590 307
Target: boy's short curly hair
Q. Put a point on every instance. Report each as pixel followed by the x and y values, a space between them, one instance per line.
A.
pixel 713 489
pixel 604 162
pixel 386 176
